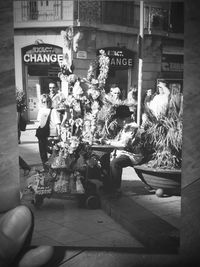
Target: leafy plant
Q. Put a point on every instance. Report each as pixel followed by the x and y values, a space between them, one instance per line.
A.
pixel 162 138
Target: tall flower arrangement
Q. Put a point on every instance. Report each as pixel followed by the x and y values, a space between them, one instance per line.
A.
pixel 82 106
pixel 102 63
pixel 72 153
pixel 96 91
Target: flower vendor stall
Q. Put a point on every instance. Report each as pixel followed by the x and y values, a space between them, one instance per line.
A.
pixel 72 158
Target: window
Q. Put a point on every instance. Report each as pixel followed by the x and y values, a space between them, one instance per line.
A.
pixel 118 12
pixel 177 17
pixel 33 10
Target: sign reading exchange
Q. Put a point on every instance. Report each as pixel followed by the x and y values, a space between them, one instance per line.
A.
pixel 42 53
pixel 120 58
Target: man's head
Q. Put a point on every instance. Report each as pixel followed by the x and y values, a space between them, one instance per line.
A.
pixel 115 92
pixel 149 92
pixel 46 100
pixel 133 88
pixel 162 88
pixel 53 88
pixel 123 115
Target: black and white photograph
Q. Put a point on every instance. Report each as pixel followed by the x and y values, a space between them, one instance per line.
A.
pixel 101 96
pixel 93 100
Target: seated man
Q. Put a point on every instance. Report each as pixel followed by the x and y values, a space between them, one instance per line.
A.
pixel 131 154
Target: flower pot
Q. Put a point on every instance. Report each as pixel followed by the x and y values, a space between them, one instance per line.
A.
pixel 164 181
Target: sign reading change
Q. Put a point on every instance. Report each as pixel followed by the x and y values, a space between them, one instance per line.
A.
pixel 42 53
pixel 120 58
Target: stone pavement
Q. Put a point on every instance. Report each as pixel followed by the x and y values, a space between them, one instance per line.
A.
pixel 59 222
pixel 138 221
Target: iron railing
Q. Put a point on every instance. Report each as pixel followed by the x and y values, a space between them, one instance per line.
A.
pixel 94 12
pixel 41 10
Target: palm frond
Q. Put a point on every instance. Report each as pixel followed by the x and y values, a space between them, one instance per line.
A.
pixel 163 137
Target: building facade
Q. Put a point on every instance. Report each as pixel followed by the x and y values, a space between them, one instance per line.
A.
pixel 109 25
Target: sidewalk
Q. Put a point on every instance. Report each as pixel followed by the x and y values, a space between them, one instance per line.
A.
pixel 61 223
pixel 138 220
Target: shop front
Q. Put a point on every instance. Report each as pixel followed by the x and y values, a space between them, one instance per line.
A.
pixel 40 65
pixel 120 68
pixel 172 63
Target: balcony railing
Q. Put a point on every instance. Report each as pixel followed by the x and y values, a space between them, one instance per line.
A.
pixel 87 12
pixel 37 10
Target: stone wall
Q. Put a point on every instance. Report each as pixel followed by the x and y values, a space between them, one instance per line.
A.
pixel 9 168
pixel 190 231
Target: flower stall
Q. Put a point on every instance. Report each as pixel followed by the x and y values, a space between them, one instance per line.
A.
pixel 71 154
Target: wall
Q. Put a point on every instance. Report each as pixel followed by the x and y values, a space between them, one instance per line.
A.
pixel 151 61
pixel 190 232
pixel 9 168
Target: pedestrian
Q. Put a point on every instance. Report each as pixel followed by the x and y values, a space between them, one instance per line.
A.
pixel 55 94
pixel 158 105
pixel 49 121
pixel 132 100
pixel 148 97
pixel 114 96
pixel 21 108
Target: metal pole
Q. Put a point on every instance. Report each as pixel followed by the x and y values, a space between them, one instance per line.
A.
pixel 140 46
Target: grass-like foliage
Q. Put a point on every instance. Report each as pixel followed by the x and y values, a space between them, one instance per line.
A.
pixel 163 137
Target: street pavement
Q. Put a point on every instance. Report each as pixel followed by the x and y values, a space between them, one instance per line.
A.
pixel 136 221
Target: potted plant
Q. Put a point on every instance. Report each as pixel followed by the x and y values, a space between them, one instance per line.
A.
pixel 162 145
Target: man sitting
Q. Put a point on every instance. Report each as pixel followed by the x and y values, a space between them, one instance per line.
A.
pixel 130 152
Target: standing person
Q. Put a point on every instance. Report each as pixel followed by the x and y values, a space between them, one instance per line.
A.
pixel 158 105
pixel 114 96
pixel 146 103
pixel 132 100
pixel 148 97
pixel 55 94
pixel 21 125
pixel 18 126
pixel 21 107
pixel 50 116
